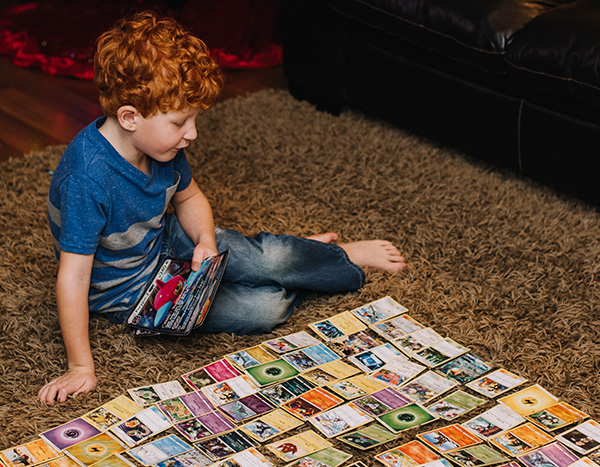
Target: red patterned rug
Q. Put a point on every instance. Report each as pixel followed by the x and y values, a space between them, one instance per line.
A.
pixel 58 36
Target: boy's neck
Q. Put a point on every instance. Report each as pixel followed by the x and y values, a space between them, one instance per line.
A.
pixel 120 140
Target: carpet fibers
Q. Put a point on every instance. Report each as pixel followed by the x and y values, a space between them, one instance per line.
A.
pixel 495 262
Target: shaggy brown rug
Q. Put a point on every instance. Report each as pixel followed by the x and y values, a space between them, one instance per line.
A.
pixel 497 263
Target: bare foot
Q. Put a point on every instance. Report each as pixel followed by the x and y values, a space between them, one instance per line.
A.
pixel 329 237
pixel 379 254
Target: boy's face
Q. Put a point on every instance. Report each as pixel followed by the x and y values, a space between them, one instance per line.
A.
pixel 162 135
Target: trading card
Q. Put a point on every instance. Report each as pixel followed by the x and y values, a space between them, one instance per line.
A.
pixel 379 310
pixel 415 341
pixel 479 455
pixel 438 463
pixel 247 407
pixel 197 379
pixel 328 457
pixel 291 342
pixel 493 421
pixel 382 401
pixel 270 425
pixel 272 372
pixel 114 460
pixel 339 420
pixel 338 325
pixel 230 390
pixel 455 405
pixel 395 328
pixel 70 433
pixel 192 458
pixel 300 360
pixel 355 386
pixel 178 298
pixel 584 438
pixel 250 357
pixel 367 437
pixel 225 445
pixel 586 462
pixel 406 417
pixel 103 418
pixel 249 458
pixel 496 383
pixel 141 426
pixel 465 368
pixel 426 387
pixel 61 461
pixel 148 395
pixel 395 458
pixel 449 438
pixel 411 454
pixel 299 445
pixel 440 352
pixel 287 390
pixel 594 457
pixel 31 453
pixel 204 426
pixel 311 403
pixel 557 416
pixel 373 359
pixel 529 400
pixel 551 455
pixel 113 412
pixel 95 449
pixel 330 372
pixel 521 439
pixel 310 357
pixel 221 370
pixel 187 406
pixel 418 452
pixel 353 344
pixel 159 450
pixel 397 372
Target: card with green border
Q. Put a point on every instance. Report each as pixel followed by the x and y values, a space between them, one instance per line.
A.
pixel 404 418
pixel 272 372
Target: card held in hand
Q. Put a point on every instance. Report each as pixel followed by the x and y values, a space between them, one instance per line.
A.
pixel 177 299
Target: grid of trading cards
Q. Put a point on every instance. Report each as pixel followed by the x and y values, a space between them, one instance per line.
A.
pixel 346 391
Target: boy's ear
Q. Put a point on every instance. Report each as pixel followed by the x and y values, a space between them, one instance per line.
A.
pixel 127 117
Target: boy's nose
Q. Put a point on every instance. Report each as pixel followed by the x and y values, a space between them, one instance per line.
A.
pixel 191 132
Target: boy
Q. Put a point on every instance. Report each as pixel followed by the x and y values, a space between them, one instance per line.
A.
pixel 111 189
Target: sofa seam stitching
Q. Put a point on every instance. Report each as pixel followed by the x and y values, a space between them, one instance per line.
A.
pixel 549 75
pixel 447 36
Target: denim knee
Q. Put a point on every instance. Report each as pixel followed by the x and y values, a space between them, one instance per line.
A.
pixel 269 317
pixel 249 310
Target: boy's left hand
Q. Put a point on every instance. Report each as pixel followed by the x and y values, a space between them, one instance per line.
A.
pixel 201 252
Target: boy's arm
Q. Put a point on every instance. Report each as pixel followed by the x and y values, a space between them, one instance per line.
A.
pixel 195 216
pixel 72 288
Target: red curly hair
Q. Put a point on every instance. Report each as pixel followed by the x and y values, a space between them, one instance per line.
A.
pixel 155 65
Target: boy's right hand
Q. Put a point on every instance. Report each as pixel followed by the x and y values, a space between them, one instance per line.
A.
pixel 78 380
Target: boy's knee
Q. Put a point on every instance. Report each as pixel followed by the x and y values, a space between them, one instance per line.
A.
pixel 248 310
pixel 267 318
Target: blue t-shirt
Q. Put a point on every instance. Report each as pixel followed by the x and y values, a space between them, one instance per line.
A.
pixel 100 204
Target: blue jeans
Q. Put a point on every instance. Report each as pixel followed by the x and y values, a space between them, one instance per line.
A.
pixel 266 276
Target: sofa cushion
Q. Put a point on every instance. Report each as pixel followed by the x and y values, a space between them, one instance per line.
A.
pixel 475 32
pixel 555 56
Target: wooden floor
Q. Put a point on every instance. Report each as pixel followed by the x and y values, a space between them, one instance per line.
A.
pixel 38 110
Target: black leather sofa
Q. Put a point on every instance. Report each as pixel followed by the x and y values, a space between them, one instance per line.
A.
pixel 513 82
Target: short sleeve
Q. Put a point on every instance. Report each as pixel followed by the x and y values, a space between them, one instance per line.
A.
pixel 182 167
pixel 83 207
